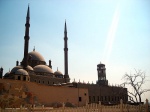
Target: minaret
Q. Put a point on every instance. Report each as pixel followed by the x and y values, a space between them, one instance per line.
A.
pixel 65 53
pixel 17 63
pixel 50 64
pixel 26 39
pixel 1 73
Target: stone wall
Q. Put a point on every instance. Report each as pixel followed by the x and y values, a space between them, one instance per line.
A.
pixel 105 94
pixel 46 95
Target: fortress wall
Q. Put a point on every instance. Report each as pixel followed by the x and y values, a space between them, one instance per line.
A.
pixel 104 94
pixel 48 94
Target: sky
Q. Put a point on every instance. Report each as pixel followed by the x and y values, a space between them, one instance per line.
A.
pixel 113 32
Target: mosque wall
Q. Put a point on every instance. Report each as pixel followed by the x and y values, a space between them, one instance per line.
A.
pixel 46 80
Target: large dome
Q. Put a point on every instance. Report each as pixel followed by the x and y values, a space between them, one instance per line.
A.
pixel 36 56
pixel 43 69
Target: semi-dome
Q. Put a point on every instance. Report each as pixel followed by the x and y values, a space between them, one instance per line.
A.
pixel 20 67
pixel 21 72
pixel 34 55
pixel 43 69
pixel 29 68
pixel 57 73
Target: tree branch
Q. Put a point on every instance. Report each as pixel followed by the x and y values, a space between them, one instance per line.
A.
pixel 136 81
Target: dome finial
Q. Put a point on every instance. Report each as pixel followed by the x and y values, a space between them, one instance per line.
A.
pixel 17 63
pixel 34 48
pixel 50 65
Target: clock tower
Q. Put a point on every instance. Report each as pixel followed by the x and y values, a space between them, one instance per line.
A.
pixel 101 74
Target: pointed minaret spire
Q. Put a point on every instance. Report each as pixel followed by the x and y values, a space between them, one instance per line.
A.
pixel 28 12
pixel 26 38
pixel 65 29
pixel 66 76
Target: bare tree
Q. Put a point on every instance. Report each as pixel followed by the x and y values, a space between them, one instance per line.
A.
pixel 136 81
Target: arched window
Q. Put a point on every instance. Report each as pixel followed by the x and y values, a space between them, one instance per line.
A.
pixel 19 78
pixel 24 78
pixel 94 98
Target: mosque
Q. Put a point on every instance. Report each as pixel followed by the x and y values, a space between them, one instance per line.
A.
pixel 33 68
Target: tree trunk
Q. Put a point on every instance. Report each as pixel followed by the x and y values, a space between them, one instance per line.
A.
pixel 139 98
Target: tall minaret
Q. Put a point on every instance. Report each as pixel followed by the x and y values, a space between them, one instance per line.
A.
pixel 26 38
pixel 65 53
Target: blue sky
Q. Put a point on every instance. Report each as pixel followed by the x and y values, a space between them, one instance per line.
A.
pixel 114 32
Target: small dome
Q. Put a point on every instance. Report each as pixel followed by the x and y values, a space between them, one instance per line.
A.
pixel 36 56
pixel 16 68
pixel 7 74
pixel 43 69
pixel 20 67
pixel 58 73
pixel 29 68
pixel 21 72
